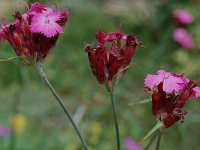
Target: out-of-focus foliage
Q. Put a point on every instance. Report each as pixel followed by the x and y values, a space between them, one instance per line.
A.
pixel 69 71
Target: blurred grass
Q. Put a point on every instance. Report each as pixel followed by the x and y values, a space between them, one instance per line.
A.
pixel 69 71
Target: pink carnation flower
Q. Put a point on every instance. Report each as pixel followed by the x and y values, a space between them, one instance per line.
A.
pixel 183 17
pixel 46 24
pixel 183 38
pixel 35 33
pixel 171 82
pixel 169 94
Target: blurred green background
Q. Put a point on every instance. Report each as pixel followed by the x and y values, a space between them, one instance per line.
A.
pixel 41 123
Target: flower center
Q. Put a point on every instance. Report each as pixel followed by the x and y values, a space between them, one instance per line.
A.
pixel 47 21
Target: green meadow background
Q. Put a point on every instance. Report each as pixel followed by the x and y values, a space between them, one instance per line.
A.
pixel 41 124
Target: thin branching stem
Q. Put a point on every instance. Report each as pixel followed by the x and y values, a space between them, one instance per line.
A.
pixel 44 78
pixel 151 141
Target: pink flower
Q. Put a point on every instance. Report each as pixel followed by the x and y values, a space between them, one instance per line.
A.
pixel 171 82
pixel 183 17
pixel 4 132
pixel 183 38
pixel 169 94
pixel 105 64
pixel 34 33
pixel 46 24
pixel 130 144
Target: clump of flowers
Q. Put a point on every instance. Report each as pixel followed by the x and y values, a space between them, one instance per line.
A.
pixel 183 17
pixel 34 33
pixel 107 62
pixel 183 38
pixel 180 34
pixel 169 93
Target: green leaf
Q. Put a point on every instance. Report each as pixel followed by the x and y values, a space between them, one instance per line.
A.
pixel 140 102
pixel 156 127
pixel 12 58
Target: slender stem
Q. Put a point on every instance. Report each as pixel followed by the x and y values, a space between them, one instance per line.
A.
pixel 158 140
pixel 151 141
pixel 44 78
pixel 115 120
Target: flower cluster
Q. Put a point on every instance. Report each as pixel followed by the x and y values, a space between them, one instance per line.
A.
pixel 35 32
pixel 169 94
pixel 105 63
pixel 180 34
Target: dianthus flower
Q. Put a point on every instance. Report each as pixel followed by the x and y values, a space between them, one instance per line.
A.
pixel 183 17
pixel 169 94
pixel 183 38
pixel 107 62
pixel 34 33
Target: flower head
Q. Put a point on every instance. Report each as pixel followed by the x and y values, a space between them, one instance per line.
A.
pixel 34 33
pixel 169 94
pixel 107 62
pixel 183 17
pixel 183 38
pixel 170 82
pixel 46 24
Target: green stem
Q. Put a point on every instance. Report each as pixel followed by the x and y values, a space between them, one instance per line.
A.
pixel 115 120
pixel 158 140
pixel 151 141
pixel 44 78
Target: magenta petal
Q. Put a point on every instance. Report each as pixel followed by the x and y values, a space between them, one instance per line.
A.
pixel 152 80
pixel 196 91
pixel 36 7
pixel 171 85
pixel 46 24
